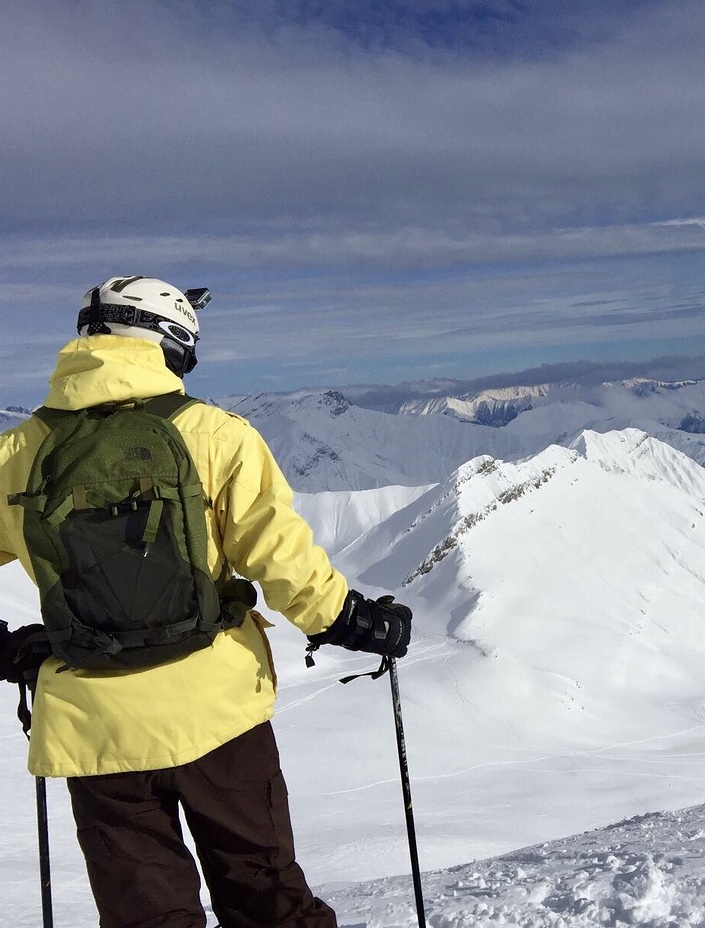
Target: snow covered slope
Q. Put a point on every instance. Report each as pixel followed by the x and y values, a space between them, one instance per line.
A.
pixel 557 675
pixel 645 871
pixel 555 683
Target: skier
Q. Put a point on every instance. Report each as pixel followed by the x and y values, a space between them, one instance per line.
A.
pixel 192 732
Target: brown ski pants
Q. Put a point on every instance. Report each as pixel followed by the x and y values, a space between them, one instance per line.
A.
pixel 235 804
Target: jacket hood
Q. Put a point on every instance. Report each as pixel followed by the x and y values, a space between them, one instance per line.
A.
pixel 109 368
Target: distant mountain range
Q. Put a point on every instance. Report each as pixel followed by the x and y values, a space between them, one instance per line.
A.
pixel 360 438
pixel 413 434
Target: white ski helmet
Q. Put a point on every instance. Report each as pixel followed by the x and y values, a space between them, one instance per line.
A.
pixel 145 307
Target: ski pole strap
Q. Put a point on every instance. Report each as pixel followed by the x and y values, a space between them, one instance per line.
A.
pixel 23 711
pixel 384 667
pixel 310 648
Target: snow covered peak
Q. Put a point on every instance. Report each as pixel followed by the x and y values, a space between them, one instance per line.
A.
pixel 633 452
pixel 334 402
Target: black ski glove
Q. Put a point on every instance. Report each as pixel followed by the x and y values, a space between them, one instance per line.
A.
pixel 5 637
pixel 378 626
pixel 22 652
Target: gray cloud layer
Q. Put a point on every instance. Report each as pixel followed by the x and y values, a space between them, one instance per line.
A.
pixel 315 166
pixel 116 117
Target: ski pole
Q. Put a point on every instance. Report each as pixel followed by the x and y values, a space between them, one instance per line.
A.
pixel 40 787
pixel 25 675
pixel 44 865
pixel 406 792
pixel 390 664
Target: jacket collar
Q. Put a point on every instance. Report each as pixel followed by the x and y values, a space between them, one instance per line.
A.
pixel 109 368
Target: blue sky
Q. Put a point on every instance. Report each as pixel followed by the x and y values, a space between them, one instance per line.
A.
pixel 374 192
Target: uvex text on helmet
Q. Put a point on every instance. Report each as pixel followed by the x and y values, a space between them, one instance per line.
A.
pixel 143 307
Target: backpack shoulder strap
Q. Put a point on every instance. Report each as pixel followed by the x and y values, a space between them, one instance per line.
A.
pixel 51 417
pixel 169 404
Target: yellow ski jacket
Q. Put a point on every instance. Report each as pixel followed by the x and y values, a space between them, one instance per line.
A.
pixel 87 722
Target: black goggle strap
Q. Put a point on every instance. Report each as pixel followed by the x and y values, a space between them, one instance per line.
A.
pixel 98 314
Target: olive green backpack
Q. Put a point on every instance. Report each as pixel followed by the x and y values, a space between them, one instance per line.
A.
pixel 114 521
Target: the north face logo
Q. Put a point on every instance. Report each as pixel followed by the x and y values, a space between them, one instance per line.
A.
pixel 138 454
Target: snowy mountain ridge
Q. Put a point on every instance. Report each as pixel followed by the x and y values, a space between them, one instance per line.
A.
pixel 327 441
pixel 557 676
